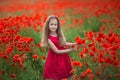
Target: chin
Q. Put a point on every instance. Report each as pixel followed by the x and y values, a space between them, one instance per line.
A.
pixel 53 30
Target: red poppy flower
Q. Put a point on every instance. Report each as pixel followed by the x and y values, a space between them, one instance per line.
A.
pixel 77 63
pixel 88 71
pixel 86 63
pixel 79 40
pixel 93 48
pixel 117 75
pixel 9 49
pixel 17 37
pixel 89 35
pixel 83 75
pixel 81 54
pixel 98 74
pixel 91 44
pixel 35 56
pixel 39 45
pixel 75 21
pixel 12 75
pixel 116 63
pixel 3 72
pixel 72 71
pixel 27 49
pixel 85 50
pixel 101 60
pixel 91 53
pixel 90 76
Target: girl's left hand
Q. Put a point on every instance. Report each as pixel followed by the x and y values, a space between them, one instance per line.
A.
pixel 82 45
pixel 75 47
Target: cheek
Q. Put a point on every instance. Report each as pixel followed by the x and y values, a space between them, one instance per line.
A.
pixel 50 27
pixel 55 27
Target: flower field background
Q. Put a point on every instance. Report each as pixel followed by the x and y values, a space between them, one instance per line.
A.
pixel 96 23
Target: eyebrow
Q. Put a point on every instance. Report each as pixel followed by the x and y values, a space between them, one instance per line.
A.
pixel 54 22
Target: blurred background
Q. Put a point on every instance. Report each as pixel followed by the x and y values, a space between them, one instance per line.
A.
pixel 95 21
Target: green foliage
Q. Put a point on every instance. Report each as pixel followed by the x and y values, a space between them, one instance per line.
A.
pixel 30 32
pixel 92 24
pixel 34 68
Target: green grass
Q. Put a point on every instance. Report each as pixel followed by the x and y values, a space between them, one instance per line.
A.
pixel 34 68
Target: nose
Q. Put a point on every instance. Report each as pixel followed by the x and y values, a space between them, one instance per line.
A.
pixel 54 25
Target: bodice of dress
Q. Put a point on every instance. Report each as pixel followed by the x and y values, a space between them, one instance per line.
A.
pixel 55 40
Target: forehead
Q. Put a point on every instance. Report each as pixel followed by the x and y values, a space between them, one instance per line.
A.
pixel 53 20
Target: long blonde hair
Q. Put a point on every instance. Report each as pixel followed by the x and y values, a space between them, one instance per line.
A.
pixel 46 32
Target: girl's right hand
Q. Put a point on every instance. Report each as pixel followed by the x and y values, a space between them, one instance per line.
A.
pixel 75 48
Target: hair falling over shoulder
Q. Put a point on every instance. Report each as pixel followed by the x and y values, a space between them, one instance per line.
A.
pixel 46 32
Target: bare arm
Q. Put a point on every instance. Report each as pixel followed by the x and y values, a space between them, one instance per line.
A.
pixel 54 48
pixel 70 44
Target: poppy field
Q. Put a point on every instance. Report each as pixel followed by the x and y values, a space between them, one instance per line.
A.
pixel 94 23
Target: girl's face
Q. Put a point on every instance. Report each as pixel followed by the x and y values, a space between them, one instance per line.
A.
pixel 53 25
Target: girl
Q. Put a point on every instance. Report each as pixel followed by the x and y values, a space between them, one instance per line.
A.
pixel 58 65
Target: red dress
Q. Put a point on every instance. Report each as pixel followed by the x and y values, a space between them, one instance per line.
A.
pixel 57 66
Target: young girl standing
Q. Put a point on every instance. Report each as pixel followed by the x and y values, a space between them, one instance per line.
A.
pixel 58 65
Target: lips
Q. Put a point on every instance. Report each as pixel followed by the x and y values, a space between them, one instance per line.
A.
pixel 53 28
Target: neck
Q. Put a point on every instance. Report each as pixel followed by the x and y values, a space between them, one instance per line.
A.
pixel 53 33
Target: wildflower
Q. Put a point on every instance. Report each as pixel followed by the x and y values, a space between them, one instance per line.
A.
pixel 35 56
